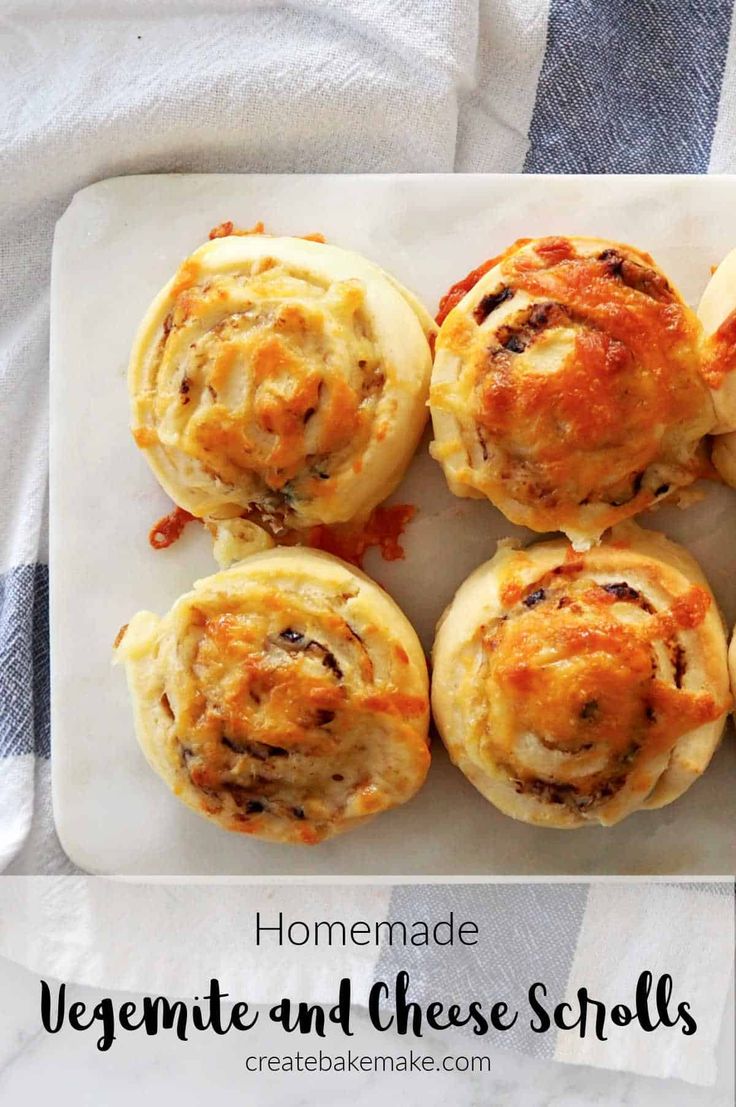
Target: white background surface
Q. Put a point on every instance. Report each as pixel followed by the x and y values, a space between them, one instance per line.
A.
pixel 117 244
pixel 37 1068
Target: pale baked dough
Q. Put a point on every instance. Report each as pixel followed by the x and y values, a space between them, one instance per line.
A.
pixel 567 387
pixel 576 688
pixel 280 374
pixel 236 539
pixel 717 313
pixel 724 457
pixel 285 697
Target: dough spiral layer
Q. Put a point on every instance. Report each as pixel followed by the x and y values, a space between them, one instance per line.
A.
pixel 576 688
pixel 567 386
pixel 717 313
pixel 285 697
pixel 281 374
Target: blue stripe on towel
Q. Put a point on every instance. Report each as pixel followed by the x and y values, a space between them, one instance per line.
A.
pixel 24 661
pixel 629 86
pixel 528 932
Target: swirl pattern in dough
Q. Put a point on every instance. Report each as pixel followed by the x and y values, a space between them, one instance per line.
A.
pixel 717 313
pixel 280 374
pixel 285 697
pixel 576 688
pixel 567 386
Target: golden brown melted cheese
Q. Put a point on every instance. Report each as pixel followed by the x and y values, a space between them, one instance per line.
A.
pixel 717 314
pixel 283 374
pixel 285 698
pixel 567 386
pixel 588 685
pixel 576 689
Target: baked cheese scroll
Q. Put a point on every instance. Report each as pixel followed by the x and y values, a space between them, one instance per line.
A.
pixel 285 697
pixel 567 386
pixel 576 688
pixel 717 312
pixel 280 374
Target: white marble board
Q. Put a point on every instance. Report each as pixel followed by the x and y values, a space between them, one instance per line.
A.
pixel 118 242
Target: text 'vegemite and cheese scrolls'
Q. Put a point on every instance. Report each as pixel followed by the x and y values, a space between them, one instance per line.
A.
pixel 285 697
pixel 577 688
pixel 280 374
pixel 568 387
